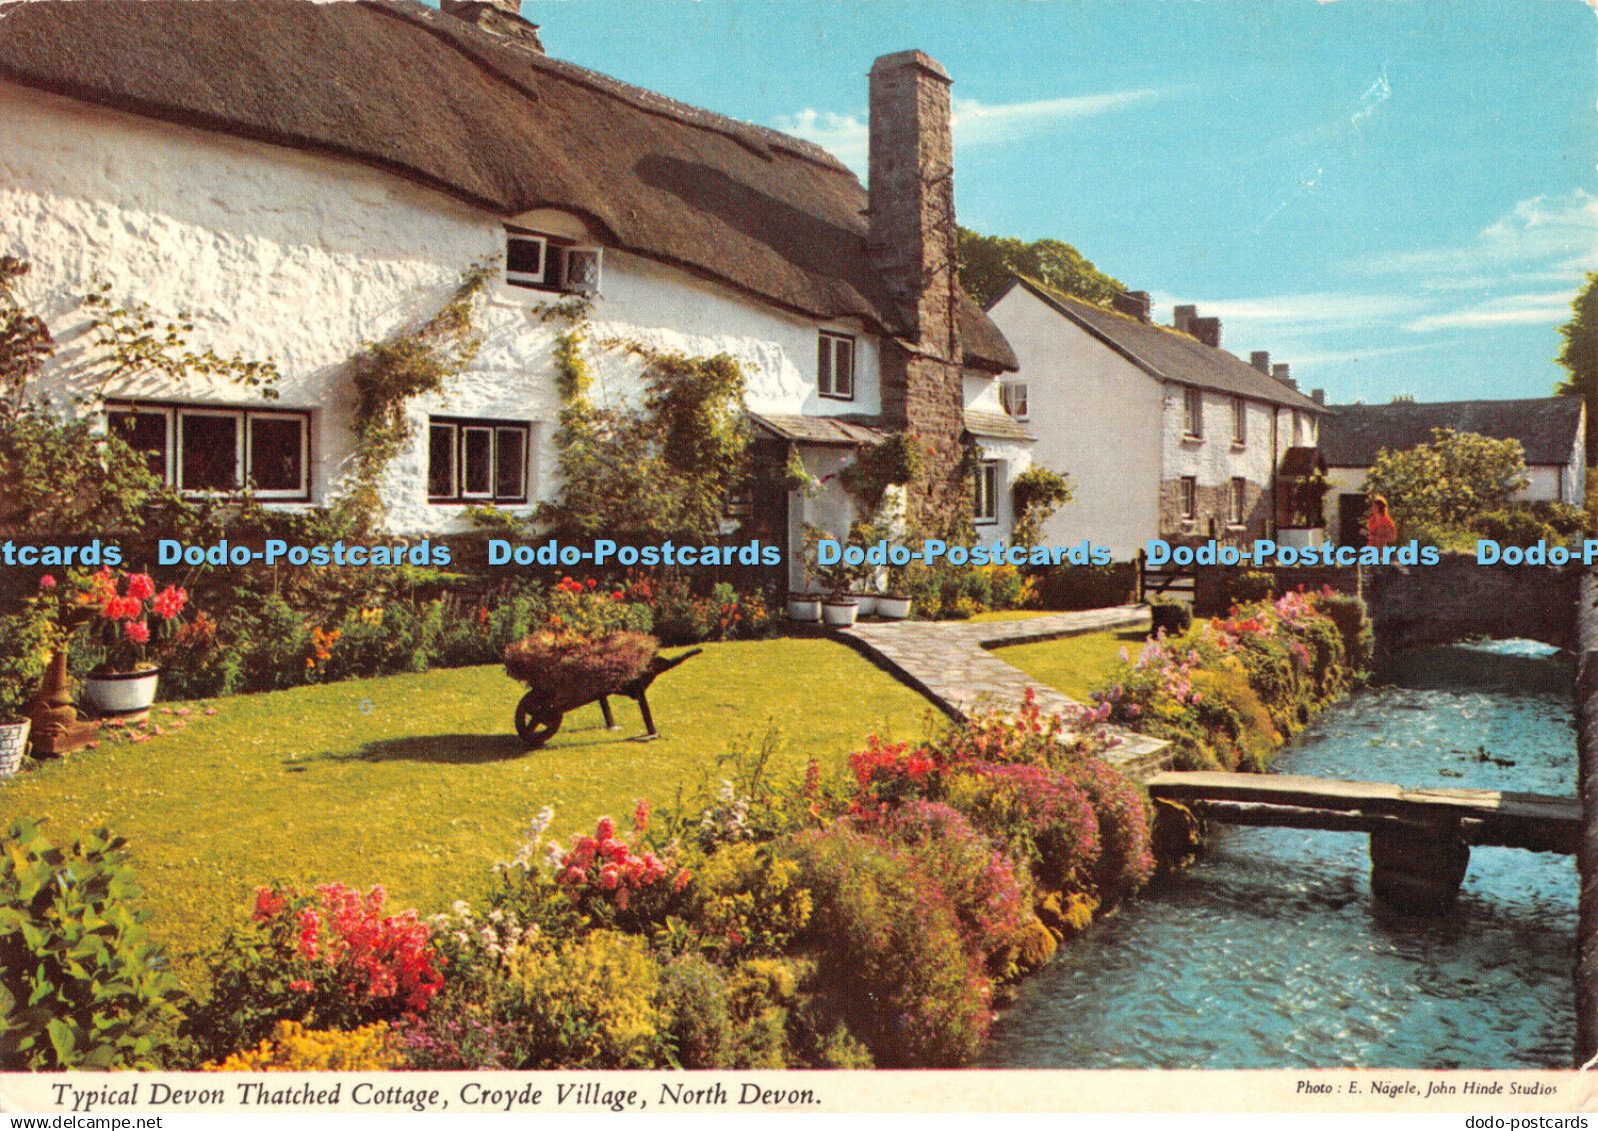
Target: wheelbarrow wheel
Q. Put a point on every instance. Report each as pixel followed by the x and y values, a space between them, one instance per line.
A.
pixel 536 720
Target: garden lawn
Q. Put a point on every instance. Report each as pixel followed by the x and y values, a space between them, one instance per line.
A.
pixel 419 783
pixel 1076 665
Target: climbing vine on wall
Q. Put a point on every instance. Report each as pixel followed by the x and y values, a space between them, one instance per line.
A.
pixel 387 374
pixel 667 466
pixel 1036 494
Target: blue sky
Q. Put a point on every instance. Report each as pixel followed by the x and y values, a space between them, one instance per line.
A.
pixel 1394 196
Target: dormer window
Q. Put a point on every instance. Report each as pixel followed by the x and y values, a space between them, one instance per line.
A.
pixel 1012 396
pixel 546 263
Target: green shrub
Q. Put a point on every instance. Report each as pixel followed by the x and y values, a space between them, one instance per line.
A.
pixel 81 985
pixel 701 1014
pixel 1515 526
pixel 593 1002
pixel 746 902
pixel 891 962
pixel 1086 586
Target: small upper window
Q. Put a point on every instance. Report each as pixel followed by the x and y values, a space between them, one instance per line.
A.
pixel 1187 498
pixel 1192 412
pixel 549 264
pixel 835 366
pixel 1239 421
pixel 1012 396
pixel 1234 501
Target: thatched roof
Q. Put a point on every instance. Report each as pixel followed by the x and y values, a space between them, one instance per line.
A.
pixel 1546 427
pixel 1168 354
pixel 433 99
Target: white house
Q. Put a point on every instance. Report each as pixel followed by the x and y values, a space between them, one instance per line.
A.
pixel 1163 433
pixel 1552 432
pixel 306 177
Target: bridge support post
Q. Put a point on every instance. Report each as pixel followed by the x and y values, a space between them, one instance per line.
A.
pixel 1419 870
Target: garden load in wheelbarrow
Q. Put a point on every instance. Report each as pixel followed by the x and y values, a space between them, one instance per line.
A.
pixel 564 671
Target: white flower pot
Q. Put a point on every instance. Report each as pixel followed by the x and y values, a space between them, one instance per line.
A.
pixel 120 693
pixel 13 743
pixel 867 603
pixel 892 607
pixel 839 614
pixel 804 607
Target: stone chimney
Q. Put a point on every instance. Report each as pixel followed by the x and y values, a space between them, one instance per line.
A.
pixel 1281 372
pixel 1134 304
pixel 1261 360
pixel 1318 396
pixel 1206 330
pixel 497 17
pixel 1181 316
pixel 914 245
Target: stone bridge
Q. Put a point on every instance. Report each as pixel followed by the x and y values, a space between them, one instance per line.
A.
pixel 1421 606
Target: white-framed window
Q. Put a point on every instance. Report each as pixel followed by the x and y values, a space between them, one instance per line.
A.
pixel 990 477
pixel 199 448
pixel 1192 411
pixel 1012 396
pixel 477 460
pixel 835 365
pixel 1187 497
pixel 546 263
pixel 1239 422
pixel 1235 497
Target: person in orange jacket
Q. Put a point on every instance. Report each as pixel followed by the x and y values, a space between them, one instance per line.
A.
pixel 1380 529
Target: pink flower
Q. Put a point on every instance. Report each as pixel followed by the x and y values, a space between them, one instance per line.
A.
pixel 605 829
pixel 137 631
pixel 140 587
pixel 641 814
pixel 47 582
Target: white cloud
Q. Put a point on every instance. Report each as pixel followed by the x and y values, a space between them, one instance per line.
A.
pixel 847 136
pixel 1308 313
pixel 1507 310
pixel 1543 238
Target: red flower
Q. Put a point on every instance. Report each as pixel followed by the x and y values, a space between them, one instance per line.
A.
pixel 606 829
pixel 137 631
pixel 641 814
pixel 170 602
pixel 140 587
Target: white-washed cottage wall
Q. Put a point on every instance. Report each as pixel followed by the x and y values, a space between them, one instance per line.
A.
pixel 297 258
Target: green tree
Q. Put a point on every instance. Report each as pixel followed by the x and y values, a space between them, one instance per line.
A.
pixel 1580 356
pixel 1448 482
pixel 987 262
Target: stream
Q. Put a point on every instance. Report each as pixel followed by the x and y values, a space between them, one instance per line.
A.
pixel 1269 952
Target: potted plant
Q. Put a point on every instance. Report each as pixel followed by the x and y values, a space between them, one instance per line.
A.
pixel 20 668
pixel 804 607
pixel 123 682
pixel 893 606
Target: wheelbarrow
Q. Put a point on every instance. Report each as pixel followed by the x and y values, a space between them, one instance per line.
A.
pixel 538 716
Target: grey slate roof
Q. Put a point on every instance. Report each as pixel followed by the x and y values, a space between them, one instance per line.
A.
pixel 1545 426
pixel 996 426
pixel 1169 355
pixel 818 429
pixel 402 87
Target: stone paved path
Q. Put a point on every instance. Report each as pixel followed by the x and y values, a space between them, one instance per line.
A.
pixel 950 663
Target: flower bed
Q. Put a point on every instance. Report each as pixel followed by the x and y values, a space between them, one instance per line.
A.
pixel 1230 690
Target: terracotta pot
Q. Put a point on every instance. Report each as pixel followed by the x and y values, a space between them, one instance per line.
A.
pixel 120 693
